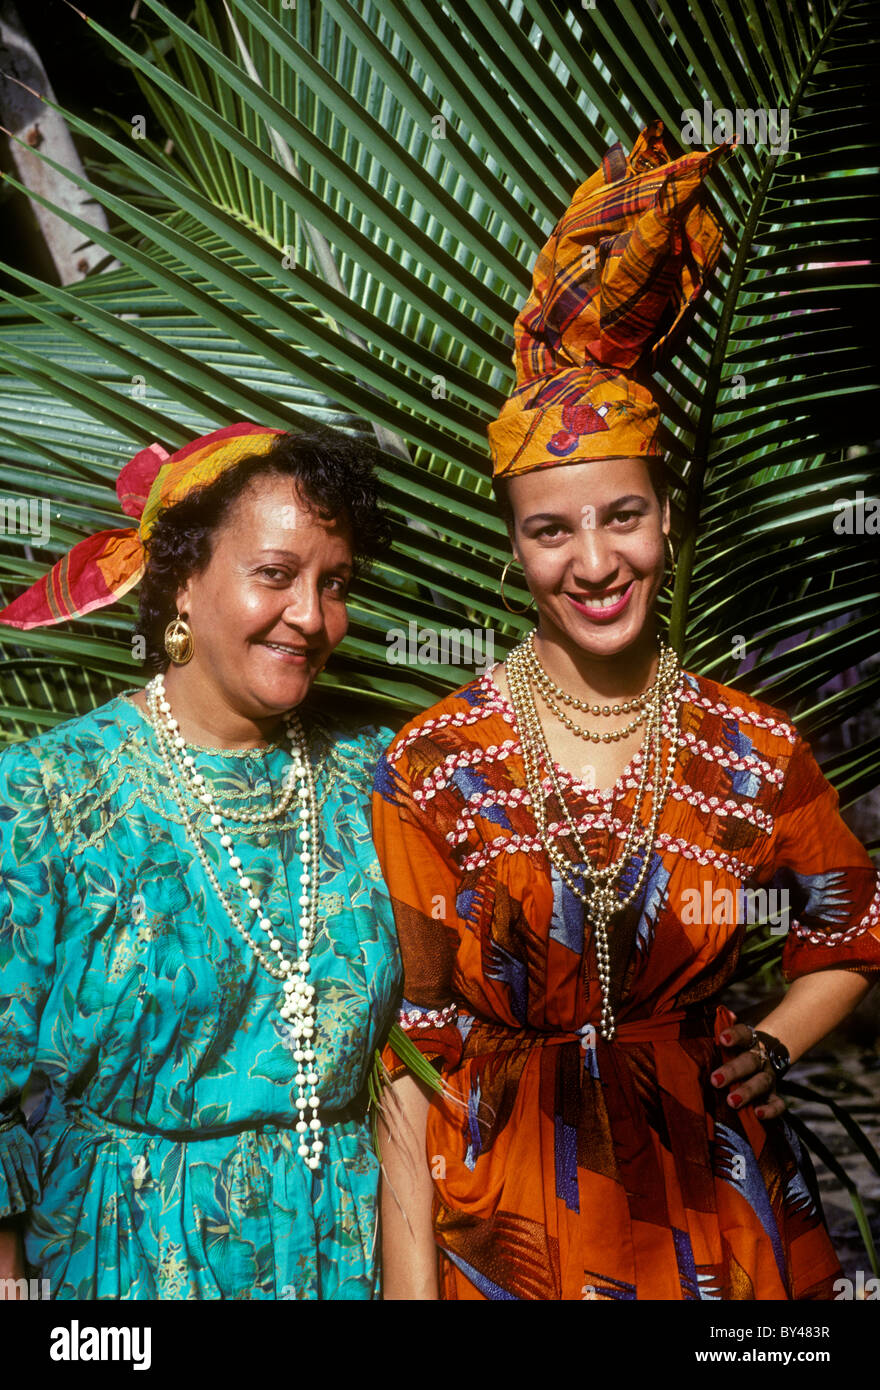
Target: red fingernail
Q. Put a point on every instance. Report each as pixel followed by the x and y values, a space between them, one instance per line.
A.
pixel 717 1078
pixel 735 1098
pixel 726 1038
pixel 760 1111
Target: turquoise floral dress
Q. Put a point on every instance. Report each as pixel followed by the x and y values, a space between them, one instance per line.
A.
pixel 158 1158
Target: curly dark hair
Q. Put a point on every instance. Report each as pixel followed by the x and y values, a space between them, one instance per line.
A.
pixel 335 476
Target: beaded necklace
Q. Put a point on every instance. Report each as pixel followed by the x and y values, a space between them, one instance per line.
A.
pixel 296 1007
pixel 598 893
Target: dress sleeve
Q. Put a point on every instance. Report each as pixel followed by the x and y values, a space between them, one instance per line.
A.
pixel 31 891
pixel 833 890
pixel 347 831
pixel 422 881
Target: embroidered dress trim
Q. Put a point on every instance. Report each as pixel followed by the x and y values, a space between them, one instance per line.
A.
pixel 479 802
pixel 412 1017
pixel 748 762
pixel 531 844
pixel 836 938
pixel 742 716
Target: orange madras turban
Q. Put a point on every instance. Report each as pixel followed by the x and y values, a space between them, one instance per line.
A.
pixel 634 249
pixel 99 570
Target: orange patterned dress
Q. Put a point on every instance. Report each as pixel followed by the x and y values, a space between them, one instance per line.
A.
pixel 566 1167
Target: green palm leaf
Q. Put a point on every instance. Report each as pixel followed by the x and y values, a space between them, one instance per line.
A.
pixel 431 240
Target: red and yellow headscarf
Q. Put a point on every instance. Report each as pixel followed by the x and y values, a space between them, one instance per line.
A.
pixel 102 568
pixel 633 251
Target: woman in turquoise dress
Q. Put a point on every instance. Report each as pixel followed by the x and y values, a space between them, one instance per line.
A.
pixel 162 1157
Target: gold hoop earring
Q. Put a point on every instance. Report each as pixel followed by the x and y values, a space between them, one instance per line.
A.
pixel 503 599
pixel 179 642
pixel 667 541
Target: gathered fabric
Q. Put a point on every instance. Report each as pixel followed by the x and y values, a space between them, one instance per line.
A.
pixel 632 252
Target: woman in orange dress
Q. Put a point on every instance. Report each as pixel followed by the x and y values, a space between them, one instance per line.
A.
pixel 574 844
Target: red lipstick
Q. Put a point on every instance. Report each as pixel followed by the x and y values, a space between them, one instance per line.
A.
pixel 605 614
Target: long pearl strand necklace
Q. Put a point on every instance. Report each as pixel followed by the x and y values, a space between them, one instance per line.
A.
pixel 297 1007
pixel 599 895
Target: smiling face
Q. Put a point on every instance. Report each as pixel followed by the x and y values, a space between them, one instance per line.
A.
pixel 590 539
pixel 269 608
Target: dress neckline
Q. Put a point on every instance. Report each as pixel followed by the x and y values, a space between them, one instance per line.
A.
pixel 605 796
pixel 125 702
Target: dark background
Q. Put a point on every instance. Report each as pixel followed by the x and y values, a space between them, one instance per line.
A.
pixel 87 77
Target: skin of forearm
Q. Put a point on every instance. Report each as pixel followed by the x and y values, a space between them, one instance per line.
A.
pixel 812 1006
pixel 11 1260
pixel 409 1254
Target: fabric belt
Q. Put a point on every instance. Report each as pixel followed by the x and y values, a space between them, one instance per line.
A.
pixel 85 1118
pixel 661 1028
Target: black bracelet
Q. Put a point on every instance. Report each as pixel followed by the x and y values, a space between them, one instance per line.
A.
pixel 772 1052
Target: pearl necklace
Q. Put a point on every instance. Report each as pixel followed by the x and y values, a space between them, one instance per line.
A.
pixel 599 895
pixel 297 1007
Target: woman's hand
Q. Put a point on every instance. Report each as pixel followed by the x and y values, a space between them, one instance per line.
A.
pixel 11 1261
pixel 751 1080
